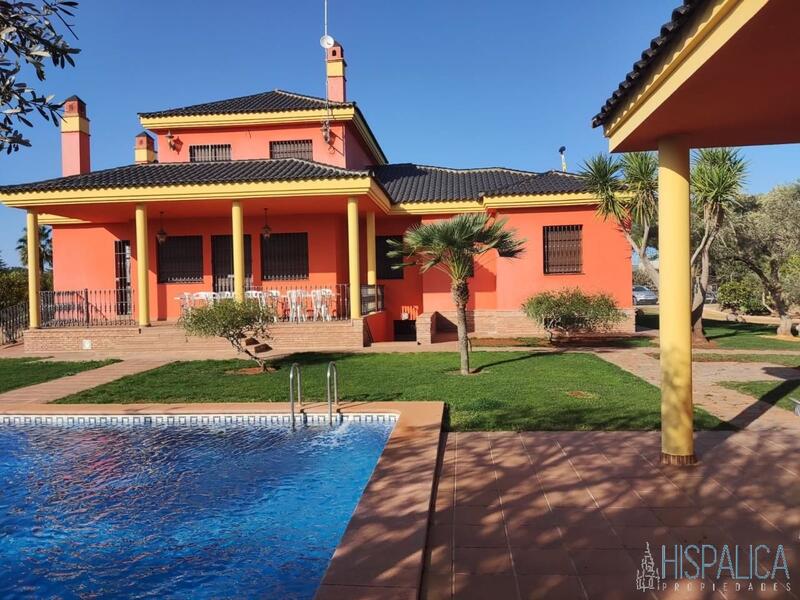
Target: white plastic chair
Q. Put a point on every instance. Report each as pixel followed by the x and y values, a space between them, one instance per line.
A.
pixel 320 300
pixel 207 297
pixel 297 305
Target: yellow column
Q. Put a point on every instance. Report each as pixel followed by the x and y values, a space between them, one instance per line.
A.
pixel 142 266
pixel 372 273
pixel 677 438
pixel 33 269
pixel 237 218
pixel 353 259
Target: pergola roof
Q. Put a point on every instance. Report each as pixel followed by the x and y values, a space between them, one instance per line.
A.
pixel 720 74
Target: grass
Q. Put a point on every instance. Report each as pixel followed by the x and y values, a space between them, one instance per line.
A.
pixel 535 342
pixel 510 391
pixel 787 360
pixel 20 372
pixel 776 393
pixel 733 336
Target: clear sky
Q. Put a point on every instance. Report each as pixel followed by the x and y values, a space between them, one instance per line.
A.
pixel 461 83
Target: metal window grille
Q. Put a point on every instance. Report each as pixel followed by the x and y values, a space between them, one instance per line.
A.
pixel 284 256
pixel 122 272
pixel 384 263
pixel 563 249
pixel 291 149
pixel 222 261
pixel 209 152
pixel 180 259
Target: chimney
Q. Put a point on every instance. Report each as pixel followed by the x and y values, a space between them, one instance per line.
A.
pixel 74 138
pixel 335 68
pixel 144 150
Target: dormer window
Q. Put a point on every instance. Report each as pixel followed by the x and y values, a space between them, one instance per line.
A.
pixel 291 149
pixel 209 152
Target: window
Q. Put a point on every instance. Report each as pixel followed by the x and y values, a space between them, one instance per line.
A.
pixel 563 249
pixel 209 152
pixel 122 276
pixel 180 259
pixel 384 263
pixel 291 149
pixel 284 256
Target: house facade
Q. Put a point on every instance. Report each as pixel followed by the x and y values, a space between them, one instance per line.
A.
pixel 279 193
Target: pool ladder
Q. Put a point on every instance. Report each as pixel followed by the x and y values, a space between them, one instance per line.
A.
pixel 295 387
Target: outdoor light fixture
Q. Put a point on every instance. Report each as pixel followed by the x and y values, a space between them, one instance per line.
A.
pixel 161 234
pixel 326 131
pixel 266 230
pixel 171 140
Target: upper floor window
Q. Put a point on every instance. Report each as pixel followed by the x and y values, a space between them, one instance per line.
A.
pixel 384 263
pixel 291 149
pixel 209 152
pixel 180 259
pixel 284 256
pixel 563 248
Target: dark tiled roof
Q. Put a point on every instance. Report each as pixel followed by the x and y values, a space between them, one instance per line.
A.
pixel 641 68
pixel 276 100
pixel 408 182
pixel 184 173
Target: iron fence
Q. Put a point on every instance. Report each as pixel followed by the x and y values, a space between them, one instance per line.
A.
pixel 87 308
pixel 13 321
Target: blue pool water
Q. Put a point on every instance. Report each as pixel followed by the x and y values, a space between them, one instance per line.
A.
pixel 171 511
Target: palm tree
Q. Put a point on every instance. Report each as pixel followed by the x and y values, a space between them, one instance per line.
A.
pixel 627 191
pixel 451 246
pixel 45 248
pixel 718 178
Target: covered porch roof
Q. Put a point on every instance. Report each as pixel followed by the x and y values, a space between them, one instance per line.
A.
pixel 720 73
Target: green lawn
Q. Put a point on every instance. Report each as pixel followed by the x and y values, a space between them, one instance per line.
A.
pixel 19 372
pixel 787 360
pixel 512 390
pixel 773 392
pixel 735 336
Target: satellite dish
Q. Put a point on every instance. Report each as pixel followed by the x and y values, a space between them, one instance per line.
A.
pixel 326 41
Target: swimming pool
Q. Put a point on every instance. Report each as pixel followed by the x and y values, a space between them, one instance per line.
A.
pixel 201 509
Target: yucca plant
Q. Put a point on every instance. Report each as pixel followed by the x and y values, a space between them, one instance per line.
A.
pixel 451 246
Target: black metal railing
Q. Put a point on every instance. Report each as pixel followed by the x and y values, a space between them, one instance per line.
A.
pixel 371 298
pixel 13 321
pixel 86 308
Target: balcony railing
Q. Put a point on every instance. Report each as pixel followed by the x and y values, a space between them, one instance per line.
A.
pixel 87 308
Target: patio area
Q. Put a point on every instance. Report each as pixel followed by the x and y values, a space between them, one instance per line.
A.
pixel 569 514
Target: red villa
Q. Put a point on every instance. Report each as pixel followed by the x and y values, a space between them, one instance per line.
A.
pixel 290 198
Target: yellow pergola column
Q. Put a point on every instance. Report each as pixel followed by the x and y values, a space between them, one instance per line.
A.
pixel 142 266
pixel 677 436
pixel 237 222
pixel 353 259
pixel 33 270
pixel 372 273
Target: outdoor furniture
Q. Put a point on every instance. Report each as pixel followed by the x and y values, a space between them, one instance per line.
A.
pixel 207 297
pixel 297 305
pixel 320 302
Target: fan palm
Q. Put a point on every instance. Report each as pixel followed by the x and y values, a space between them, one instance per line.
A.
pixel 451 246
pixel 45 248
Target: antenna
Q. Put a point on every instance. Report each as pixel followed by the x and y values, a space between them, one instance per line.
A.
pixel 562 151
pixel 326 41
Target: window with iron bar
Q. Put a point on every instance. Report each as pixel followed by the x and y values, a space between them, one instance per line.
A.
pixel 291 149
pixel 180 259
pixel 384 263
pixel 563 249
pixel 284 256
pixel 209 152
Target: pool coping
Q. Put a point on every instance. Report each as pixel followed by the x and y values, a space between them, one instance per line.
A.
pixel 381 553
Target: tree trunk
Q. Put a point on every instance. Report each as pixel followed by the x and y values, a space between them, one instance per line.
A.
pixel 460 292
pixel 785 327
pixel 699 298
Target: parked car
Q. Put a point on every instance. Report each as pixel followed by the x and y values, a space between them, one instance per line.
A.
pixel 643 295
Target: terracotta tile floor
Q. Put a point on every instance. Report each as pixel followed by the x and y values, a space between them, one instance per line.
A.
pixel 567 515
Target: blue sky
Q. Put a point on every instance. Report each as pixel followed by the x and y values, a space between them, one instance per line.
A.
pixel 462 83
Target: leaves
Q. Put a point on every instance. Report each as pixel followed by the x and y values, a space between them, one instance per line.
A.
pixel 29 37
pixel 570 310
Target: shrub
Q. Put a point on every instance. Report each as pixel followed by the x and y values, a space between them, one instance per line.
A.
pixel 233 321
pixel 570 311
pixel 741 296
pixel 642 278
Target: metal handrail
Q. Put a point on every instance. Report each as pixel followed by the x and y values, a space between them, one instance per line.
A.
pixel 295 368
pixel 332 370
